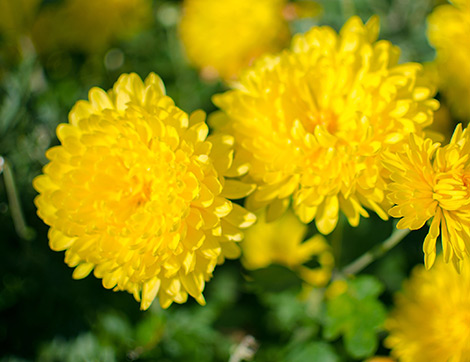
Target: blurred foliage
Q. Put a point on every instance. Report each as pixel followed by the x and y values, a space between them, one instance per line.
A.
pixel 357 315
pixel 265 314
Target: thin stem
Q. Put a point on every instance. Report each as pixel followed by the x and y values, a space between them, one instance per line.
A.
pixel 376 252
pixel 23 231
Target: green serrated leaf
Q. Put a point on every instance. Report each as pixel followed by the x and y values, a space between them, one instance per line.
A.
pixel 340 312
pixel 356 314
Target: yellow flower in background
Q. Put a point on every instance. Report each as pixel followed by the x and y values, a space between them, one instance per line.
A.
pixel 281 242
pixel 136 192
pixel 443 124
pixel 432 182
pixel 449 33
pixel 431 320
pixel 89 26
pixel 16 17
pixel 16 20
pixel 222 37
pixel 314 120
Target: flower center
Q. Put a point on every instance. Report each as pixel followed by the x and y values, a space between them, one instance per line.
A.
pixel 452 190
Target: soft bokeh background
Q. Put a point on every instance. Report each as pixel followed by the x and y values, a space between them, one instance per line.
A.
pixel 49 59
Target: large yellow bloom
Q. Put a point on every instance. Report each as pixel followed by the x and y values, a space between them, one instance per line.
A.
pixel 281 242
pixel 222 37
pixel 136 191
pixel 314 120
pixel 88 25
pixel 431 321
pixel 432 182
pixel 449 33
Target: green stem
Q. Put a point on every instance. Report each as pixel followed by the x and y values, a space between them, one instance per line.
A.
pixel 23 231
pixel 376 252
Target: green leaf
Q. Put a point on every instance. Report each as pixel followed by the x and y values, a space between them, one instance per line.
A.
pixel 365 286
pixel 358 315
pixel 361 341
pixel 316 351
pixel 340 314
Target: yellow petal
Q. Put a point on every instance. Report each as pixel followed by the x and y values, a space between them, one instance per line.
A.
pixel 149 292
pixel 240 217
pixel 236 189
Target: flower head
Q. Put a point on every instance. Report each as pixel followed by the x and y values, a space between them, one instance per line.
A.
pixel 433 182
pixel 314 120
pixel 281 242
pixel 431 320
pixel 222 37
pixel 449 33
pixel 136 191
pixel 88 26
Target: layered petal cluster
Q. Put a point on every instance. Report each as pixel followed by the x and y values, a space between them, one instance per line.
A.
pixel 88 26
pixel 449 33
pixel 282 242
pixel 314 120
pixel 431 319
pixel 430 182
pixel 222 37
pixel 137 192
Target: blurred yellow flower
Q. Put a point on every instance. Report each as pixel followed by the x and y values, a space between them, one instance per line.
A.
pixel 443 124
pixel 136 191
pixel 449 33
pixel 314 120
pixel 222 37
pixel 281 242
pixel 89 26
pixel 432 182
pixel 16 20
pixel 16 17
pixel 431 320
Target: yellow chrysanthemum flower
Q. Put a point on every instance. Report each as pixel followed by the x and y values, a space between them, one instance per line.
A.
pixel 89 26
pixel 431 320
pixel 314 120
pixel 137 192
pixel 222 37
pixel 449 33
pixel 432 182
pixel 280 242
